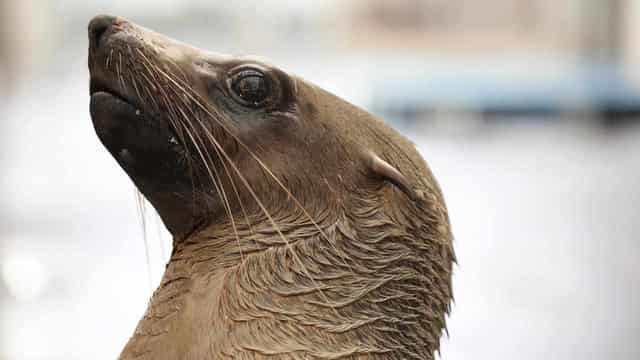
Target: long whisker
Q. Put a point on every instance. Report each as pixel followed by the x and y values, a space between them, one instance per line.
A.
pixel 212 171
pixel 143 219
pixel 224 165
pixel 226 170
pixel 158 227
pixel 119 68
pixel 215 179
pixel 150 85
pixel 244 180
pixel 108 61
pixel 140 201
pixel 193 97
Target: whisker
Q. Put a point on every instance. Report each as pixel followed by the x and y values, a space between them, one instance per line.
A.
pixel 215 178
pixel 193 98
pixel 216 144
pixel 247 185
pixel 172 121
pixel 109 58
pixel 140 201
pixel 231 181
pixel 212 171
pixel 158 227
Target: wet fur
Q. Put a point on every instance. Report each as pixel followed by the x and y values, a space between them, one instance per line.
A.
pixel 294 246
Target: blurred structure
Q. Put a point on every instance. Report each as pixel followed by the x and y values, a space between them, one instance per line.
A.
pixel 498 58
pixel 505 98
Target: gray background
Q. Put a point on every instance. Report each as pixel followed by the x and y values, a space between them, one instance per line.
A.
pixel 545 209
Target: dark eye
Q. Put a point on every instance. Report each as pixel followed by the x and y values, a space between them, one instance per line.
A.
pixel 251 87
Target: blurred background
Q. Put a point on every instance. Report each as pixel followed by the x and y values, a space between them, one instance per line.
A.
pixel 526 110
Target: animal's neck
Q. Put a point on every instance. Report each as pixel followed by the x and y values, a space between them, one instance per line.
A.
pixel 346 291
pixel 183 308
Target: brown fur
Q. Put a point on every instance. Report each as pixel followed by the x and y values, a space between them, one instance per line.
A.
pixel 342 261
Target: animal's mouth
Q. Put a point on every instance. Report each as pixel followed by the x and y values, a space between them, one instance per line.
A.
pixel 114 104
pixel 104 84
pixel 97 86
pixel 117 114
pixel 112 99
pixel 124 101
pixel 109 106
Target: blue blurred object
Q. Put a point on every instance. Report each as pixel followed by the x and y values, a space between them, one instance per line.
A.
pixel 507 88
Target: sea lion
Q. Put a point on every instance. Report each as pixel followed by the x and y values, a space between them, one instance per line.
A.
pixel 304 227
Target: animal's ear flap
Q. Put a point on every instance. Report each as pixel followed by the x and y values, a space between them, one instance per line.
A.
pixel 387 172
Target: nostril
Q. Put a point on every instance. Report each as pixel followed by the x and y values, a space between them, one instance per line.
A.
pixel 97 28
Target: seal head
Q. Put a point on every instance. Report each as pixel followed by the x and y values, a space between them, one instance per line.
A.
pixel 304 227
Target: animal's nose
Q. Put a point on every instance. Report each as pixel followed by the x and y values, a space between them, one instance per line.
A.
pixel 98 26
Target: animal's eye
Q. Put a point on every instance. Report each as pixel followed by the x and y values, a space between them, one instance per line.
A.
pixel 251 88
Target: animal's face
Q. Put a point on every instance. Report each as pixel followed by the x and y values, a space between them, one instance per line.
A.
pixel 202 135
